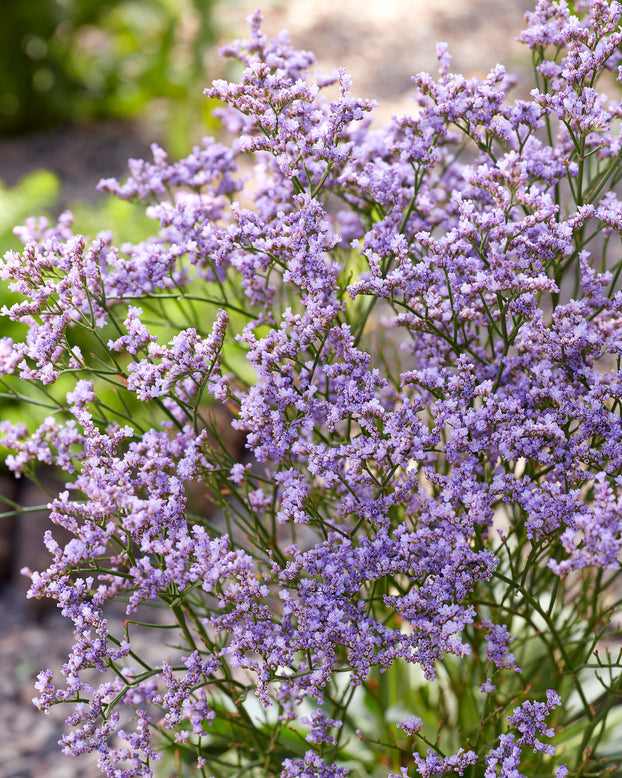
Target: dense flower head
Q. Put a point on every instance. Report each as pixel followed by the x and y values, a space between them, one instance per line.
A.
pixel 417 330
pixel 529 720
pixel 311 766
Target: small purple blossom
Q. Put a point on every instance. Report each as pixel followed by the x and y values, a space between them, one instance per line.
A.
pixel 433 765
pixel 311 766
pixel 529 717
pixel 138 336
pixel 498 640
pixel 411 725
pixel 487 687
pixel 321 725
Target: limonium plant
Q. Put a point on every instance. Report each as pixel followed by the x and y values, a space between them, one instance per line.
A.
pixel 413 569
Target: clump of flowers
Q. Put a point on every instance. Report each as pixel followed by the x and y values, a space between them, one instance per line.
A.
pixel 414 568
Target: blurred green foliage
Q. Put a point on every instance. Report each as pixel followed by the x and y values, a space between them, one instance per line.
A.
pixel 67 60
pixel 38 193
pixel 64 60
pixel 35 193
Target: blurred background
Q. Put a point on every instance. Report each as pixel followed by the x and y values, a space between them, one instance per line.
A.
pixel 86 84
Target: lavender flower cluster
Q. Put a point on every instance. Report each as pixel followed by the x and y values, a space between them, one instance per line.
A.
pixel 429 316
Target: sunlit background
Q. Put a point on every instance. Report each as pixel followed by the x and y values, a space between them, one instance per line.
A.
pixel 72 60
pixel 135 69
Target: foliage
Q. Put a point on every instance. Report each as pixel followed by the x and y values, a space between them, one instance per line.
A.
pixel 64 60
pixel 419 330
pixel 40 190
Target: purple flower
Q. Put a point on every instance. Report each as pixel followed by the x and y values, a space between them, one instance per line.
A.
pixel 411 725
pixel 311 766
pixel 529 717
pixel 498 640
pixel 434 765
pixel 417 330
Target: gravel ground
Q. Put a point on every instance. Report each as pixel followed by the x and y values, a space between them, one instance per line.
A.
pixel 29 740
pixel 382 43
